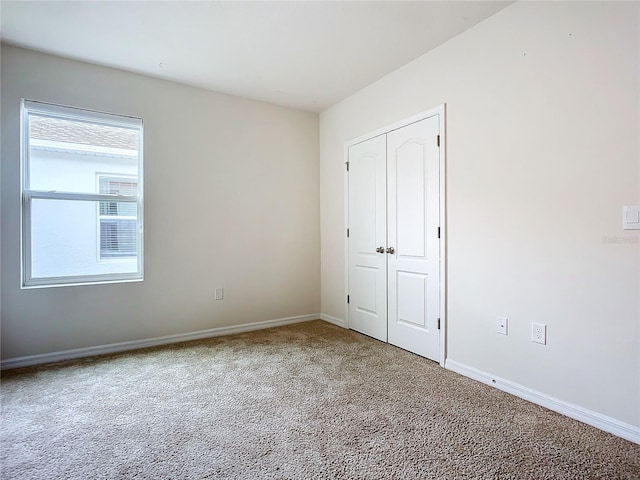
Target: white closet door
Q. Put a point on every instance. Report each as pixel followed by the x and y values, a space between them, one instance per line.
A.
pixel 367 233
pixel 413 220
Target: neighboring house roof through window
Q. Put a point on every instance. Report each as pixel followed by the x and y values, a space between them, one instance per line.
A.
pixel 82 133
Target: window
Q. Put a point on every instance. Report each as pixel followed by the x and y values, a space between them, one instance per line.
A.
pixel 81 196
pixel 117 219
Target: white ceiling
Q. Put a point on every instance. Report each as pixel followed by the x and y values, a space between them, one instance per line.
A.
pixel 307 55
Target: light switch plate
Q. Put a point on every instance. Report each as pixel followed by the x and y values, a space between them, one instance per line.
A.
pixel 631 217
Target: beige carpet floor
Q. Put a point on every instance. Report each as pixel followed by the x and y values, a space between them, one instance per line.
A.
pixel 308 401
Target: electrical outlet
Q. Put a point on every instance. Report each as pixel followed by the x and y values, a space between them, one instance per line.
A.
pixel 539 333
pixel 501 325
pixel 219 293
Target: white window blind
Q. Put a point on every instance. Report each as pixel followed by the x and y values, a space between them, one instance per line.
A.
pixel 82 196
pixel 117 219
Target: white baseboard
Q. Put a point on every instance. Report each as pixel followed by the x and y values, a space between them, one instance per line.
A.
pixel 150 342
pixel 336 321
pixel 595 419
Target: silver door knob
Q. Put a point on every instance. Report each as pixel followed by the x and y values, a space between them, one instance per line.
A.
pixel 380 249
pixel 391 250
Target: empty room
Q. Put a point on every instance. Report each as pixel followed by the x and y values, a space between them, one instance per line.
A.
pixel 320 240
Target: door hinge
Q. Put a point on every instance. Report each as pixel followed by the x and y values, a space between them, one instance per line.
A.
pixel 347 163
pixel 347 233
pixel 438 142
pixel 438 324
pixel 438 232
pixel 347 298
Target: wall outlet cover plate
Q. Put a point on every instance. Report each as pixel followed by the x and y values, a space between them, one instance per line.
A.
pixel 502 324
pixel 539 333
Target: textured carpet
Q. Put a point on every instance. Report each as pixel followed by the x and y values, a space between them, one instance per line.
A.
pixel 308 401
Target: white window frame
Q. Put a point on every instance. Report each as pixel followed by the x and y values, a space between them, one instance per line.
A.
pixel 27 195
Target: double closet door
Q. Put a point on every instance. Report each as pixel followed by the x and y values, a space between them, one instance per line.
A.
pixel 394 245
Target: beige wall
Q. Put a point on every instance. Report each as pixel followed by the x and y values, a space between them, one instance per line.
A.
pixel 543 151
pixel 231 200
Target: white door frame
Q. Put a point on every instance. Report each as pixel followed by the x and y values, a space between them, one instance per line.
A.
pixel 439 110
